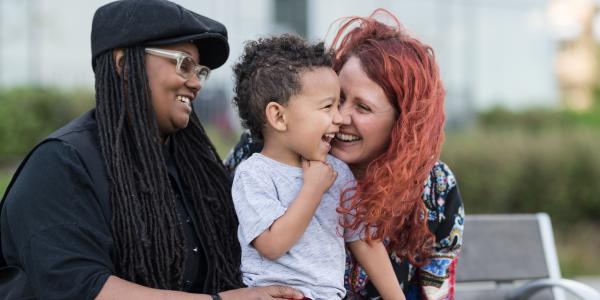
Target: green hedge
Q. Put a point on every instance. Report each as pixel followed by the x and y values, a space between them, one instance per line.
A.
pixel 534 161
pixel 536 120
pixel 29 114
pixel 537 160
pixel 556 171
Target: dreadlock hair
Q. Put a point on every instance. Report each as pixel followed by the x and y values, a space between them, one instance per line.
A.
pixel 148 237
pixel 388 198
pixel 269 71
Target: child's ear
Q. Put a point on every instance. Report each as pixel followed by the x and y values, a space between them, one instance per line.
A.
pixel 276 118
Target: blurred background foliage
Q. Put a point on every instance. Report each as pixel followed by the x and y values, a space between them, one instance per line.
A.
pixel 29 114
pixel 533 161
pixel 507 162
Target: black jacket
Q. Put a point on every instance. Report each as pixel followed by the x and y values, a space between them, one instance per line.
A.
pixel 55 220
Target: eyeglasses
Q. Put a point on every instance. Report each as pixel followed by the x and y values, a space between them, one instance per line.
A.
pixel 186 66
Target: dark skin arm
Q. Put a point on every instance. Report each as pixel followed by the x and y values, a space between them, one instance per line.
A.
pixel 116 288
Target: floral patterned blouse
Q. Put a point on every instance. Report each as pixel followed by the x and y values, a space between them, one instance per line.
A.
pixel 434 281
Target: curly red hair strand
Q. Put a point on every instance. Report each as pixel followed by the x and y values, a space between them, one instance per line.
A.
pixel 388 198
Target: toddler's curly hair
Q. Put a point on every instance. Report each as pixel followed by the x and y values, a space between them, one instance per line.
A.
pixel 269 70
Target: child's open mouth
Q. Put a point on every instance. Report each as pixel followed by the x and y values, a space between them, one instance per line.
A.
pixel 327 138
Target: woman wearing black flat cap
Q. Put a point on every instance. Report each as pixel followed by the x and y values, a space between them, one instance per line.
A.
pixel 131 201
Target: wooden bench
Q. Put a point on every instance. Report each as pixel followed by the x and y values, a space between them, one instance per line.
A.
pixel 512 257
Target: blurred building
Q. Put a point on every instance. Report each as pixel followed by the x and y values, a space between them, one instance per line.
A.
pixel 491 52
pixel 573 23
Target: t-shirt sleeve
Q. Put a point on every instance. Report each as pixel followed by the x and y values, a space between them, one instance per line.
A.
pixel 256 204
pixel 54 227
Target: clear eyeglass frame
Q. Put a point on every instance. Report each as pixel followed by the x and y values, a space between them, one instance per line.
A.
pixel 186 66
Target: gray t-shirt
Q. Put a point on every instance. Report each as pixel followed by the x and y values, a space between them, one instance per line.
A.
pixel 262 191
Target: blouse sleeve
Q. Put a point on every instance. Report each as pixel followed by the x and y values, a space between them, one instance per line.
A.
pixel 54 227
pixel 446 221
pixel 244 149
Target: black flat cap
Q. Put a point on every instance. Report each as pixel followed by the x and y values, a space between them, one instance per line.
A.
pixel 127 23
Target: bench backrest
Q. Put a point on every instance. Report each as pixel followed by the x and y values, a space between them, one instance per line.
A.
pixel 507 248
pixel 503 249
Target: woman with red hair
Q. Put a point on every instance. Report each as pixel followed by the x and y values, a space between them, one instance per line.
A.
pixel 391 137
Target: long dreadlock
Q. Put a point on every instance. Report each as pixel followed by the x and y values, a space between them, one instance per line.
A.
pixel 149 243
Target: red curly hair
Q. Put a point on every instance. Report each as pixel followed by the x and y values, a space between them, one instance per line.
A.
pixel 388 198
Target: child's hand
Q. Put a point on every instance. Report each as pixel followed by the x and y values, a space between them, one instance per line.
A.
pixel 285 231
pixel 318 175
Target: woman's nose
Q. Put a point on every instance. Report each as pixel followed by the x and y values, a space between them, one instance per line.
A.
pixel 344 113
pixel 337 117
pixel 194 84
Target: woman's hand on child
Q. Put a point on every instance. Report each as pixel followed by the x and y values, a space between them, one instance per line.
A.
pixel 262 293
pixel 318 175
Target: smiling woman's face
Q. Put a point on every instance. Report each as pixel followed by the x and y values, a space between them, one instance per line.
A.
pixel 368 118
pixel 169 90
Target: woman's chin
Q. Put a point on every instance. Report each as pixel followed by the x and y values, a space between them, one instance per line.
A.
pixel 181 123
pixel 341 153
